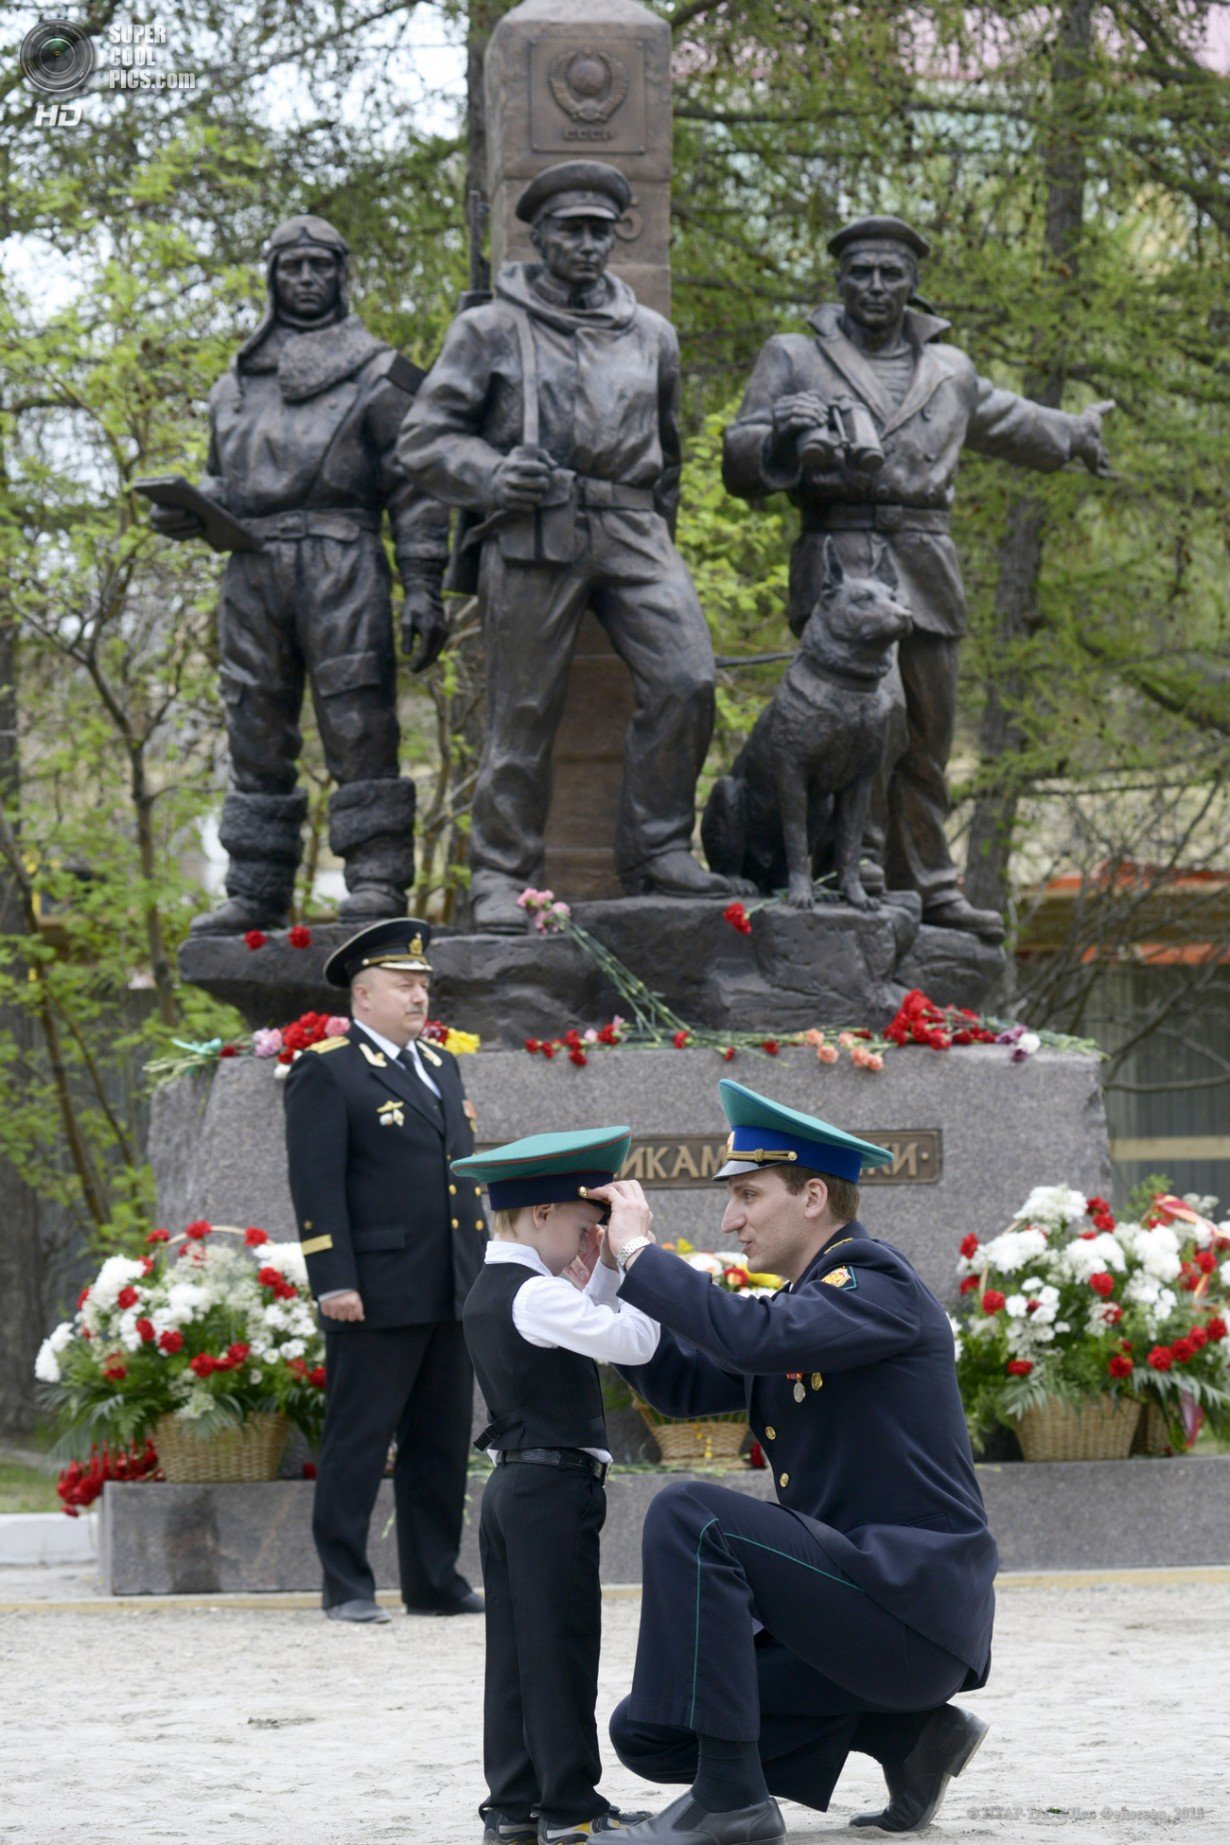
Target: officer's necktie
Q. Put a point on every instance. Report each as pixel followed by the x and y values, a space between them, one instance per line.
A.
pixel 410 1060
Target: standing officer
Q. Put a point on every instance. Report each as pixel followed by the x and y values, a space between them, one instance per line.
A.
pixel 775 1638
pixel 393 1244
pixel 552 418
pixel 302 432
pixel 913 403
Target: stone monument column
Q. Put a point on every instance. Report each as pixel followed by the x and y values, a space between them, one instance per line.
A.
pixel 564 79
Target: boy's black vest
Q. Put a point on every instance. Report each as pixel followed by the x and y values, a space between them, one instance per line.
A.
pixel 536 1396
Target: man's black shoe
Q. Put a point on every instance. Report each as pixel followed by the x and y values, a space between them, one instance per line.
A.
pixel 950 1739
pixel 363 1614
pixel 469 1603
pixel 686 1823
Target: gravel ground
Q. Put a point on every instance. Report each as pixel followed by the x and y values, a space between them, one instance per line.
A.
pixel 260 1725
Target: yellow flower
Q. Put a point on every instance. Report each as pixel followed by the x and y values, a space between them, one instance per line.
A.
pixel 460 1043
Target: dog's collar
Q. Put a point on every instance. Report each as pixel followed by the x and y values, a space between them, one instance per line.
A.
pixel 825 668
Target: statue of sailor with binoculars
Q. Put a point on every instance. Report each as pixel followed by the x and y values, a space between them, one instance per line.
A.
pixel 861 420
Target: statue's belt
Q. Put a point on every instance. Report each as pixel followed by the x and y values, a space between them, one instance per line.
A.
pixel 566 494
pixel 876 519
pixel 315 522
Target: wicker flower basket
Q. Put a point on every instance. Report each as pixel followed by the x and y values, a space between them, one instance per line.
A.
pixel 709 1440
pixel 1152 1433
pixel 1100 1430
pixel 248 1451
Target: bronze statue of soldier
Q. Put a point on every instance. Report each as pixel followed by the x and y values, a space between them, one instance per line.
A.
pixel 551 418
pixel 861 421
pixel 303 429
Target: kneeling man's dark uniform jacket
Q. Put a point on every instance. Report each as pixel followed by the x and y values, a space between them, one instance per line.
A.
pixel 379 1211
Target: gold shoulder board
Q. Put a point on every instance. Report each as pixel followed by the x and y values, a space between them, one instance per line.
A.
pixel 328 1044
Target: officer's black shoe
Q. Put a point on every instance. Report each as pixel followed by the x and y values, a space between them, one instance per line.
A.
pixel 469 1603
pixel 371 903
pixel 607 1825
pixel 954 912
pixel 500 1831
pixel 686 1823
pixel 950 1739
pixel 363 1614
pixel 236 916
pixel 677 874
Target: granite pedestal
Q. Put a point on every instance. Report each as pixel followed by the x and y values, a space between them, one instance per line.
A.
pixel 1067 1515
pixel 972 1133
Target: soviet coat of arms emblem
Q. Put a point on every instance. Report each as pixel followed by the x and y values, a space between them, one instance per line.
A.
pixel 588 85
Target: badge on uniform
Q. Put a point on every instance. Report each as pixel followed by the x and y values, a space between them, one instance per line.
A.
pixel 840 1278
pixel 376 1058
pixel 390 1114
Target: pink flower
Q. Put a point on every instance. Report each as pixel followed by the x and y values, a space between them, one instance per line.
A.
pixel 266 1043
pixel 336 1025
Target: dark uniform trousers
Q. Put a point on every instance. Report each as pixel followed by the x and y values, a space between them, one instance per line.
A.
pixel 538 1541
pixel 414 1383
pixel 830 1672
pixel 633 578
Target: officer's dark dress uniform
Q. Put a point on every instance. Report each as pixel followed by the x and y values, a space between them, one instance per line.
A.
pixel 873 1573
pixel 379 1211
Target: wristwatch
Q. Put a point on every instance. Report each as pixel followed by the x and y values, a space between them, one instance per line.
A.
pixel 630 1248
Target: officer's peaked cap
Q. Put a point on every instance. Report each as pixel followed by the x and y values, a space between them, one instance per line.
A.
pixel 576 189
pixel 767 1133
pixel 548 1168
pixel 879 230
pixel 310 231
pixel 399 942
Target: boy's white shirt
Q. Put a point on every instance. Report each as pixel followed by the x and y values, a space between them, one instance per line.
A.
pixel 551 1311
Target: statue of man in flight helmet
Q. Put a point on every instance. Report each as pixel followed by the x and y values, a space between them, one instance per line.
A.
pixel 303 427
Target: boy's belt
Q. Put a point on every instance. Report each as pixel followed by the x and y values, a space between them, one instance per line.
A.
pixel 554 1457
pixel 896 518
pixel 315 522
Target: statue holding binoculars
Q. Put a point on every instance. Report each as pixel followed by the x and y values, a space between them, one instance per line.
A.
pixel 861 420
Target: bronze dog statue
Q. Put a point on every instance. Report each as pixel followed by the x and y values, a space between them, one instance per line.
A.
pixel 794 805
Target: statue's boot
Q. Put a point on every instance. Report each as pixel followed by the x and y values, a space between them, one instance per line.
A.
pixel 493 906
pixel 952 911
pixel 677 874
pixel 260 833
pixel 371 828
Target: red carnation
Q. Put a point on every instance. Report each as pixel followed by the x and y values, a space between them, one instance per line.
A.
pixel 1119 1366
pixel 1032 1306
pixel 299 937
pixel 203 1365
pixel 115 1372
pixel 159 1236
pixel 1160 1358
pixel 969 1244
pixel 317 1377
pixel 254 1238
pixel 771 1047
pixel 1205 1261
pixel 728 1055
pixel 969 1284
pixel 147 1265
pixel 1102 1284
pixel 549 1050
pixel 83 1297
pixel 1199 1337
pixel 992 1301
pixel 577 1055
pixel 127 1297
pixel 1020 1367
pixel 229 1050
pixel 145 1330
pixel 1102 1220
pixel 680 1040
pixel 1088 1236
pixel 171 1342
pixel 309 1470
pixel 1112 1314
pixel 738 918
pixel 255 938
pixel 197 1230
pixel 1183 1351
pixel 533 1046
pixel 238 1352
pixel 1216 1328
pixel 269 1277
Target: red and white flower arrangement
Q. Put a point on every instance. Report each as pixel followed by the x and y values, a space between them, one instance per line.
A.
pixel 212 1328
pixel 287 1043
pixel 1069 1303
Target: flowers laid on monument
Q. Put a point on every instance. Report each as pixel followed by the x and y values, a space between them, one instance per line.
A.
pixel 736 915
pixel 212 1329
pixel 1068 1304
pixel 287 1042
pixel 548 912
pixel 81 1483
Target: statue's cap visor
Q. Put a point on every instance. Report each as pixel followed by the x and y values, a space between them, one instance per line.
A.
pixel 879 230
pixel 576 189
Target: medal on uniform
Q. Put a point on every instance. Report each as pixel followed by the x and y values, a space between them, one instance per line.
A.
pixel 800 1395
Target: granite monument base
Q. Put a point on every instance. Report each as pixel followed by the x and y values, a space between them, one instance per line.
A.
pixel 1065 1515
pixel 971 1133
pixel 827 966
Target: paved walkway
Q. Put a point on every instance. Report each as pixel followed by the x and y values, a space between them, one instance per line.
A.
pixel 259 1723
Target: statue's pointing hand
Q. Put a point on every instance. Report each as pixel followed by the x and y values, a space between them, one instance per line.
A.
pixel 1090 446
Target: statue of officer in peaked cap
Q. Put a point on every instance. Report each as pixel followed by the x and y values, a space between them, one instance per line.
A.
pixel 302 435
pixel 393 1243
pixel 861 421
pixel 552 419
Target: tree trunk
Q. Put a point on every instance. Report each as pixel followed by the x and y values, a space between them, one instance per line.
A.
pixel 987 883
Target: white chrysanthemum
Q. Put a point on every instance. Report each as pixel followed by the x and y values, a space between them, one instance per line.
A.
pixel 1015 1249
pixel 1015 1306
pixel 276 1317
pixel 1203 1205
pixel 288 1259
pixel 47 1365
pixel 1142 1289
pixel 1157 1250
pixel 1225 1274
pixel 294 1348
pixel 115 1273
pixel 1092 1256
pixel 980 1328
pixel 1031 1284
pixel 1055 1205
pixel 130 1338
pixel 1048 1305
pixel 61 1336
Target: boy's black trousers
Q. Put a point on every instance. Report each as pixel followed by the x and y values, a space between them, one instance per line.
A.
pixel 538 1541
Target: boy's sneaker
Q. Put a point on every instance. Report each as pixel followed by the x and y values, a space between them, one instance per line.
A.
pixel 500 1831
pixel 613 1822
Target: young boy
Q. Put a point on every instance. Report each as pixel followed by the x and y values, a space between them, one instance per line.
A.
pixel 534 1335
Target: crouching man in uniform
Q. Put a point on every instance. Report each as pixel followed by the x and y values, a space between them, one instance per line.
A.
pixel 393 1244
pixel 776 1638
